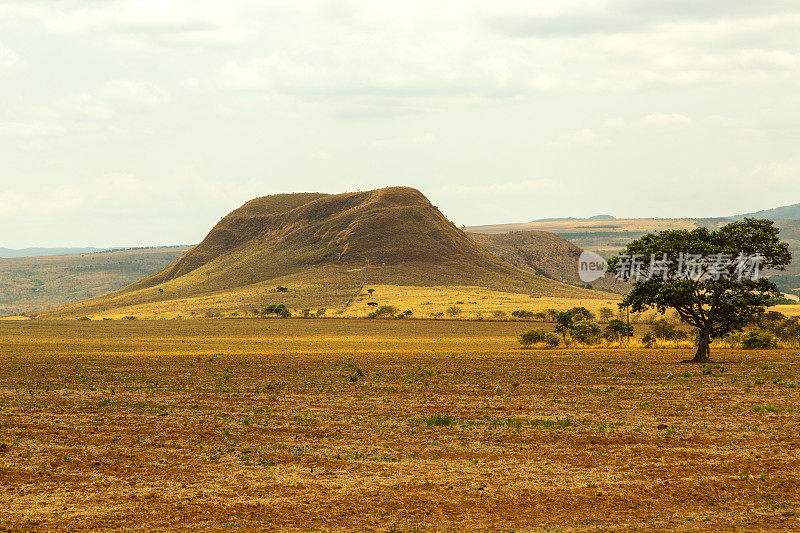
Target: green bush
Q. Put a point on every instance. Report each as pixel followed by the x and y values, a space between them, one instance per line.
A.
pixel 759 339
pixel 384 310
pixel 648 339
pixel 453 310
pixel 532 336
pixel 586 332
pixel 522 314
pixel 440 420
pixel 551 339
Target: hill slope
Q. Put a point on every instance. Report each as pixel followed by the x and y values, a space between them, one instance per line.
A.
pixel 33 283
pixel 607 237
pixel 325 247
pixel 543 253
pixel 786 212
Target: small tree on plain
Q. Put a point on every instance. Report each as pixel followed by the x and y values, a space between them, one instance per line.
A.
pixel 715 305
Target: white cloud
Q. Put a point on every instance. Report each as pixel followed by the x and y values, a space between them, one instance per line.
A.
pixel 585 136
pixel 136 93
pixel 427 138
pixel 150 23
pixel 46 202
pixel 88 106
pixel 30 130
pixel 247 76
pixel 8 59
pixel 767 59
pixel 508 187
pixel 664 120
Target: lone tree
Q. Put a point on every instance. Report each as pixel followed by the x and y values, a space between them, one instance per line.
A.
pixel 711 278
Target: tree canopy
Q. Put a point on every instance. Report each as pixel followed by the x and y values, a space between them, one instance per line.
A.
pixel 711 278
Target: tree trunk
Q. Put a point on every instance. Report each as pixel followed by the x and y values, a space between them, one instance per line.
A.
pixel 703 354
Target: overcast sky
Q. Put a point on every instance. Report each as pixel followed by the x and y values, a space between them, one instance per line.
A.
pixel 143 122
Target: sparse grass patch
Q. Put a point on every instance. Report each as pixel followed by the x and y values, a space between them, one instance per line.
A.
pixel 440 420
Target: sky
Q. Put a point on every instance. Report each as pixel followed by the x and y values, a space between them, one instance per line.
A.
pixel 139 123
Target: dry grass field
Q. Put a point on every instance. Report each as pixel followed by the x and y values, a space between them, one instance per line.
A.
pixel 404 425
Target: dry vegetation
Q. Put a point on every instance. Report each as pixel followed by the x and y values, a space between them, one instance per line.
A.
pixel 34 283
pixel 404 425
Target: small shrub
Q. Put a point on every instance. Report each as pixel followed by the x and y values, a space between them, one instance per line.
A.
pixel 440 420
pixel 648 339
pixel 498 314
pixel 759 339
pixel 453 310
pixel 551 339
pixel 386 310
pixel 586 332
pixel 531 337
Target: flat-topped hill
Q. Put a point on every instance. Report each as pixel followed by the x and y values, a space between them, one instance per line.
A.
pixel 329 244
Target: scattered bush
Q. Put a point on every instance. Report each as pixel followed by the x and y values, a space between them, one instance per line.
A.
pixel 440 420
pixel 384 311
pixel 453 310
pixel 586 332
pixel 499 314
pixel 282 289
pixel 662 329
pixel 759 339
pixel 530 337
pixel 551 340
pixel 522 314
pixel 581 314
pixel 648 339
pixel 534 336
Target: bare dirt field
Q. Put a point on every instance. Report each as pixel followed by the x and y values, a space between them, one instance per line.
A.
pixel 403 425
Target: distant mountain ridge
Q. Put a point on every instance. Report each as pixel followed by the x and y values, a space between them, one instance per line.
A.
pixel 786 212
pixel 7 253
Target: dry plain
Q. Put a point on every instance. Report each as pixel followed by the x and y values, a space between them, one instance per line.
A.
pixel 385 425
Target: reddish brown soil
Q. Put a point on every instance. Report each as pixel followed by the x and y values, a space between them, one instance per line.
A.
pixel 328 425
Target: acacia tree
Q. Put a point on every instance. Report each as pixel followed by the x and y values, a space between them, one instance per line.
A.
pixel 711 278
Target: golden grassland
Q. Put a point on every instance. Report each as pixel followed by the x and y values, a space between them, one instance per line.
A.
pixel 385 425
pixel 342 294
